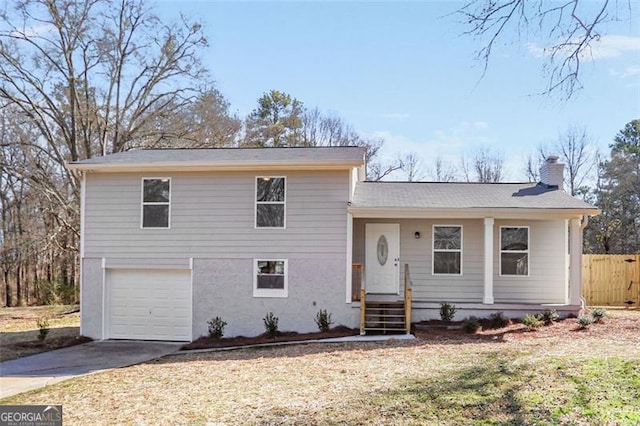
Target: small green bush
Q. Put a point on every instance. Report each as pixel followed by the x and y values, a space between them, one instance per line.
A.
pixel 271 324
pixel 43 326
pixel 56 293
pixel 531 321
pixel 498 320
pixel 323 320
pixel 598 314
pixel 471 325
pixel 584 321
pixel 216 327
pixel 548 316
pixel 447 312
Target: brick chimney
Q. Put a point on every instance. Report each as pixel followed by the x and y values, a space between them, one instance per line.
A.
pixel 552 172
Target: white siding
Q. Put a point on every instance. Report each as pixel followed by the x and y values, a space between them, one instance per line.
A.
pixel 547 278
pixel 212 226
pixel 212 216
pixel 418 254
pixel 546 282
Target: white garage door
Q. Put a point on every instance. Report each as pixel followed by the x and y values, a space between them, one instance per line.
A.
pixel 148 304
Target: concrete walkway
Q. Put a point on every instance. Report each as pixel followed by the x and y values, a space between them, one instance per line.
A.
pixel 36 371
pixel 366 338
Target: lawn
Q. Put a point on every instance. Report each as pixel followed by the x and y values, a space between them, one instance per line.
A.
pixel 556 375
pixel 19 331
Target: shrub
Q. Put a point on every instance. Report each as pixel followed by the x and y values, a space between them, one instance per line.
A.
pixel 271 324
pixel 216 327
pixel 447 312
pixel 531 321
pixel 471 325
pixel 56 293
pixel 548 316
pixel 498 320
pixel 323 320
pixel 43 325
pixel 584 321
pixel 598 314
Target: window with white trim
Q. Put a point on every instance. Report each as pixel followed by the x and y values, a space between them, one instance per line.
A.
pixel 514 250
pixel 447 250
pixel 270 278
pixel 156 202
pixel 270 202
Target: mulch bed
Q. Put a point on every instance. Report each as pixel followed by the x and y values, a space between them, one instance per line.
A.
pixel 52 343
pixel 285 336
pixel 624 323
pixel 620 323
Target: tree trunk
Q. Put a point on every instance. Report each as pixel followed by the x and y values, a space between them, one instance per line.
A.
pixel 7 289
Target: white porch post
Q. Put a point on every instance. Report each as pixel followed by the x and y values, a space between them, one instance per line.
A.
pixel 575 263
pixel 349 257
pixel 488 261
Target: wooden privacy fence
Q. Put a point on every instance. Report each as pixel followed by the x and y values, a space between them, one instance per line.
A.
pixel 611 279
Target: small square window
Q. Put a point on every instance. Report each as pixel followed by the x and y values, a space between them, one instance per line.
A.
pixel 270 278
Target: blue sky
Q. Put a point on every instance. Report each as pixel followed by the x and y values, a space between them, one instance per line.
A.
pixel 404 71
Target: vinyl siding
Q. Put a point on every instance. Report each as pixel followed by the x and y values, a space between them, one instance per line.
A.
pixel 418 254
pixel 548 263
pixel 212 216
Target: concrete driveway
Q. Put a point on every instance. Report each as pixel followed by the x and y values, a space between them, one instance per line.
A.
pixel 36 371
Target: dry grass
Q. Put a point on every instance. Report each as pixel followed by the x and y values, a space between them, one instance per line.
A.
pixel 552 376
pixel 19 332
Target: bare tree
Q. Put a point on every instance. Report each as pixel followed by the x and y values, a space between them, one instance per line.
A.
pixel 442 171
pixel 576 151
pixel 531 167
pixel 485 166
pixel 319 129
pixel 570 27
pixel 80 79
pixel 412 166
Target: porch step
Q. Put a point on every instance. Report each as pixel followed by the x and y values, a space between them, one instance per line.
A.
pixel 384 317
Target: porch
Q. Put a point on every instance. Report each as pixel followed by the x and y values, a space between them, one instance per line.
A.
pixel 396 279
pixel 393 314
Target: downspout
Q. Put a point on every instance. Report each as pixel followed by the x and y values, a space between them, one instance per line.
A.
pixel 585 221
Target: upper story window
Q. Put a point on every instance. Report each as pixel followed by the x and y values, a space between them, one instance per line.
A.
pixel 514 250
pixel 156 202
pixel 270 202
pixel 447 250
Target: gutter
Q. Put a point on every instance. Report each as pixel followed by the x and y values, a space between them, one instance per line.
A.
pixel 222 166
pixel 470 212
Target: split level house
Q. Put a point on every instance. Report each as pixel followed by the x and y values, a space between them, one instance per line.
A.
pixel 172 238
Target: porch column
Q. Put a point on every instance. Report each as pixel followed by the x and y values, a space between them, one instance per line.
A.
pixel 349 257
pixel 575 262
pixel 488 261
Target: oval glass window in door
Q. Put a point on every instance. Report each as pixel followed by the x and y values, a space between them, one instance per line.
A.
pixel 383 250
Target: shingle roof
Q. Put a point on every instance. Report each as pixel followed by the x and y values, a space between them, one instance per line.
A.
pixel 419 195
pixel 227 156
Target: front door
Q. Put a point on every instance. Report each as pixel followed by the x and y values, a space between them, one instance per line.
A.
pixel 382 258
